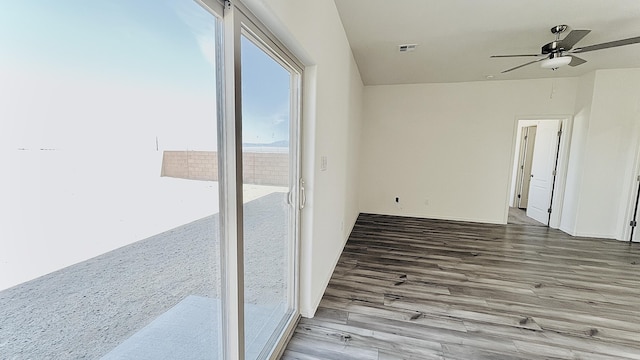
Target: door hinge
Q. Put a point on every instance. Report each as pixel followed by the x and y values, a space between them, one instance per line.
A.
pixel 638 177
pixel 521 167
pixel 559 133
pixel 633 223
pixel 549 210
pixel 525 137
pixel 554 173
pixel 518 196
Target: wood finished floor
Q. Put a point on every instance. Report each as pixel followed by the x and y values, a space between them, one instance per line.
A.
pixel 519 217
pixel 409 288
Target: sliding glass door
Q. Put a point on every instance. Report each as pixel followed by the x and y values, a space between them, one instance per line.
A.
pixel 270 166
pixel 261 193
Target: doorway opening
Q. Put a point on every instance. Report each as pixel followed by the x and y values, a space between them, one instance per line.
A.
pixel 539 154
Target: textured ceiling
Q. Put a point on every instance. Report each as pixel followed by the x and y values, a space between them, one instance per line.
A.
pixel 456 37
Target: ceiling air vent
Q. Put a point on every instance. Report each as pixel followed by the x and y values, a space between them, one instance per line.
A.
pixel 407 47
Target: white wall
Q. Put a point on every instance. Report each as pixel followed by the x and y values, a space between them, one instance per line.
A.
pixel 332 108
pixel 608 153
pixel 446 150
pixel 584 98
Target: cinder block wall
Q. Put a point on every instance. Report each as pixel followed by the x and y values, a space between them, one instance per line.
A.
pixel 193 165
pixel 258 168
pixel 265 168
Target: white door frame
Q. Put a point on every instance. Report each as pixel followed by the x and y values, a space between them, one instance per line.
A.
pixel 566 123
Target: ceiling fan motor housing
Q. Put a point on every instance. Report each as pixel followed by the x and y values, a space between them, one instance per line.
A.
pixel 555 47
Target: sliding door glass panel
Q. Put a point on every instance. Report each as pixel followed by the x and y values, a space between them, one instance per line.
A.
pixel 269 229
pixel 109 244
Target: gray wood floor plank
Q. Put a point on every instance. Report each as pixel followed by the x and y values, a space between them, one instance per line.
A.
pixel 407 288
pixel 383 311
pixel 364 338
pixel 294 355
pixel 330 350
pixel 384 355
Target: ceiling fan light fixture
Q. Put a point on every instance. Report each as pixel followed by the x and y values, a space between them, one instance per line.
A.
pixel 555 62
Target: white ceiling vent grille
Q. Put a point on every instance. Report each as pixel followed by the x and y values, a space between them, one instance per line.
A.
pixel 407 47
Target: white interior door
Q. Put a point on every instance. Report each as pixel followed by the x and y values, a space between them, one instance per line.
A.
pixel 544 156
pixel 529 145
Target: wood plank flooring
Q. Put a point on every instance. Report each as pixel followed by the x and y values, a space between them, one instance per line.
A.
pixel 408 288
pixel 519 217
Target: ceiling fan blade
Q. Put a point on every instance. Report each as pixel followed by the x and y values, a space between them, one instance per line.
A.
pixel 573 38
pixel 509 56
pixel 610 44
pixel 523 65
pixel 575 61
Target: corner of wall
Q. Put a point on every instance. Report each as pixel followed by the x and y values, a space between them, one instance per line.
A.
pixel 575 166
pixel 314 302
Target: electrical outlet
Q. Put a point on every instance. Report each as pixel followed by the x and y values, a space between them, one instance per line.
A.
pixel 396 203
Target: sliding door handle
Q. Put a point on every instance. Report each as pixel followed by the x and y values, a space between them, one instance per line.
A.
pixel 303 195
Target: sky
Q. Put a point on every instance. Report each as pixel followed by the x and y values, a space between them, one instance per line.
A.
pixel 265 96
pixel 82 73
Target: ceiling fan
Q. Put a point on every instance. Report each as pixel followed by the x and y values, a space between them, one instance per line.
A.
pixel 560 52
